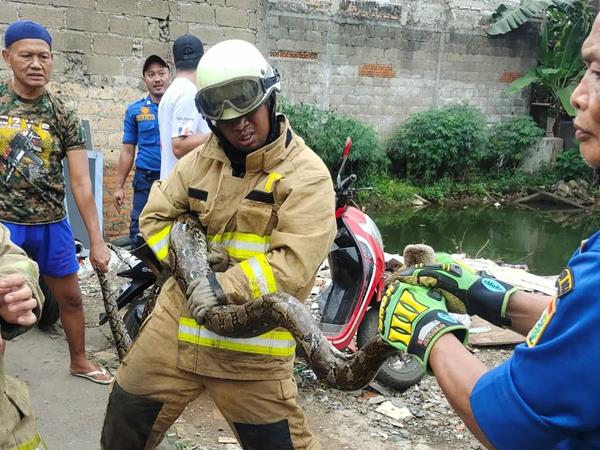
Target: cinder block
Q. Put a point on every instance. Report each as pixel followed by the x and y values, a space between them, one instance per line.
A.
pixel 196 13
pixel 72 41
pixel 103 65
pixel 79 4
pixel 252 20
pixel 176 29
pixel 158 9
pixel 87 21
pixel 117 6
pixel 9 13
pixel 238 33
pixel 112 45
pixel 130 26
pixel 242 4
pixel 230 17
pixel 208 34
pixel 153 47
pixel 46 15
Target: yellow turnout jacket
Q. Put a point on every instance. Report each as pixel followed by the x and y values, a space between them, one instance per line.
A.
pixel 276 223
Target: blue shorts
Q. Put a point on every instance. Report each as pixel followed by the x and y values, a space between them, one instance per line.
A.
pixel 50 245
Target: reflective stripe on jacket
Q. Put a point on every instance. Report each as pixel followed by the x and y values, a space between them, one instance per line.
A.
pixel 276 223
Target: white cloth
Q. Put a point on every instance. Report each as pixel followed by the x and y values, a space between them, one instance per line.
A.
pixel 177 116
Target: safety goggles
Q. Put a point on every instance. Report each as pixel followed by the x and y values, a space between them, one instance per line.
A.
pixel 242 95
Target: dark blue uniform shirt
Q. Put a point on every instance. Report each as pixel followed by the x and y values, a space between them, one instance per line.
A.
pixel 547 396
pixel 141 128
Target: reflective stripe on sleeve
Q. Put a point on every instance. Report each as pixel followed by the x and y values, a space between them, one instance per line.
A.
pixel 36 443
pixel 241 246
pixel 159 242
pixel 270 184
pixel 260 275
pixel 278 343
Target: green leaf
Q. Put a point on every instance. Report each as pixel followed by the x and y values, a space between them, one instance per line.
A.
pixel 512 18
pixel 521 83
pixel 564 94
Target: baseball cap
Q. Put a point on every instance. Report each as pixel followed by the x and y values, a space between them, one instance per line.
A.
pixel 153 59
pixel 187 51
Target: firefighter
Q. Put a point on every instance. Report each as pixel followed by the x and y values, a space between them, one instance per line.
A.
pixel 20 307
pixel 267 203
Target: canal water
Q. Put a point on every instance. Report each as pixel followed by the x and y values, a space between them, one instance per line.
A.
pixel 544 240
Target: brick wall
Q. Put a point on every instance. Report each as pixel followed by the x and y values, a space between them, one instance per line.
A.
pixel 378 61
pixel 116 223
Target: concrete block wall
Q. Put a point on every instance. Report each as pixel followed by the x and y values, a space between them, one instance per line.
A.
pixel 382 61
pixel 99 48
pixel 377 60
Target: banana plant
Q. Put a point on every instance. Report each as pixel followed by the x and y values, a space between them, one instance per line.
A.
pixel 560 66
pixel 507 19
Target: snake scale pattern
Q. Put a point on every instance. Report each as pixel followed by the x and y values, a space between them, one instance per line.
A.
pixel 117 327
pixel 349 372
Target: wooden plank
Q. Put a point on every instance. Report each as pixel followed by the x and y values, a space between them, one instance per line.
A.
pixel 495 335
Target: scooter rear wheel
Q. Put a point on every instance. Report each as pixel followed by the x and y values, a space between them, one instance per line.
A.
pixel 399 372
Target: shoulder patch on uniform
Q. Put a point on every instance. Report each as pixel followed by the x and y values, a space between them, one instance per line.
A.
pixel 538 329
pixel 565 282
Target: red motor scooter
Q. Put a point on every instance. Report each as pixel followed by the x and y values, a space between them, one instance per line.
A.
pixel 349 307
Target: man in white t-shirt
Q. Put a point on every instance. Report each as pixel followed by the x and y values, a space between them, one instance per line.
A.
pixel 181 126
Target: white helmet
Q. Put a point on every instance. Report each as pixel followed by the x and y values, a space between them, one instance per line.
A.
pixel 233 79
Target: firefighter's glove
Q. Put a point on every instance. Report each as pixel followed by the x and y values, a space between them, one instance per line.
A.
pixel 218 258
pixel 413 318
pixel 466 292
pixel 202 295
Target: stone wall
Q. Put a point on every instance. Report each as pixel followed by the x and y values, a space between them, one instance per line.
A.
pixel 378 61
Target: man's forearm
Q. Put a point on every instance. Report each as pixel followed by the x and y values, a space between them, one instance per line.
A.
pixel 184 144
pixel 524 309
pixel 86 204
pixel 457 371
pixel 126 158
pixel 81 186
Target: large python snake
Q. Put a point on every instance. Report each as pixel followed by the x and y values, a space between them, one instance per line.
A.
pixel 187 256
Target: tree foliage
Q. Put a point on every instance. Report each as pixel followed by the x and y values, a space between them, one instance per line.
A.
pixel 326 132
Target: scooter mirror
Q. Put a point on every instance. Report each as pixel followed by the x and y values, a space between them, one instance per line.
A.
pixel 345 154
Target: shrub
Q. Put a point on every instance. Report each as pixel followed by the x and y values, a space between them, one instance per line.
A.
pixel 326 132
pixel 509 141
pixel 570 166
pixel 438 143
pixel 387 192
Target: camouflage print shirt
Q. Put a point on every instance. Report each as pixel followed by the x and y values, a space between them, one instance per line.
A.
pixel 35 136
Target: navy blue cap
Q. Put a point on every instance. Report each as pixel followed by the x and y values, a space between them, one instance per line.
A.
pixel 26 29
pixel 187 51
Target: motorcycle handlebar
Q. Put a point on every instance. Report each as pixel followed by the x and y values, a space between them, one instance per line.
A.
pixel 346 182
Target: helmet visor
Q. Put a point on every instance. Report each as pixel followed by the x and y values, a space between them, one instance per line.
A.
pixel 243 95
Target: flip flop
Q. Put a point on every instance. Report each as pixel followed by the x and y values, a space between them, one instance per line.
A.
pixel 95 376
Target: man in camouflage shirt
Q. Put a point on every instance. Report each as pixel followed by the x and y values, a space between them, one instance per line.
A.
pixel 38 131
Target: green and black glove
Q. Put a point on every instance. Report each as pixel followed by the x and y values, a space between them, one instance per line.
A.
pixel 413 318
pixel 466 292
